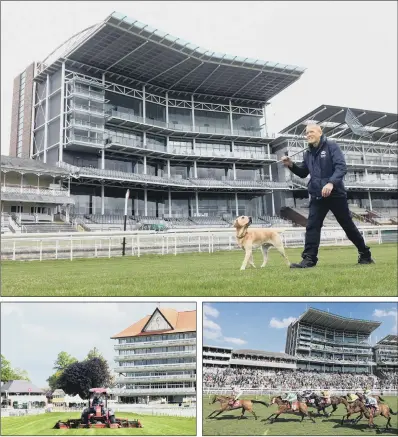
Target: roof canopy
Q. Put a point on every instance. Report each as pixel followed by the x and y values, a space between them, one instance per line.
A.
pixel 183 321
pixel 124 46
pixel 332 321
pixel 10 163
pixel 20 386
pixel 381 126
pixel 258 353
pixel 391 340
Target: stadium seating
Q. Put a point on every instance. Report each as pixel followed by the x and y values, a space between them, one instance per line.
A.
pixel 30 227
pixel 5 218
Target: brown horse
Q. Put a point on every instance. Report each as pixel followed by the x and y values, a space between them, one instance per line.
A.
pixel 245 404
pixel 352 407
pixel 383 410
pixel 284 407
pixel 363 398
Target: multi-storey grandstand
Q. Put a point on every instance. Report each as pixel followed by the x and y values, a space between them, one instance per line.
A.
pixel 323 350
pixel 156 358
pixel 122 105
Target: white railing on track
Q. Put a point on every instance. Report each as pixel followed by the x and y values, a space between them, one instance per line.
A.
pixel 276 391
pixel 72 245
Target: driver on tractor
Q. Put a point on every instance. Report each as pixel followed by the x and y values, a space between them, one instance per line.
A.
pixel 290 399
pixel 97 402
pixel 236 394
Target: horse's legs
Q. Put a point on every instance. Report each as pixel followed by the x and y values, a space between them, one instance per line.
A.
pixel 277 415
pixel 269 417
pixel 254 414
pixel 210 416
pixel 302 417
pixel 242 414
pixel 388 424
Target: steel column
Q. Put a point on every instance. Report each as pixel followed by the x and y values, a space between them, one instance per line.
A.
pixel 46 120
pixel 61 115
pixel 102 198
pixel 145 201
pixel 143 104
pixel 169 202
pixel 231 118
pixel 236 204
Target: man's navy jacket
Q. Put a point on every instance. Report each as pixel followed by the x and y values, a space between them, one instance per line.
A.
pixel 324 164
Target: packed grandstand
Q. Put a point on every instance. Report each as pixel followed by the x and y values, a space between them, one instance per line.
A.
pixel 338 355
pixel 121 105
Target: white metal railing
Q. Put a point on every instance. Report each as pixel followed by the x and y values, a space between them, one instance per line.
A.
pixel 33 190
pixel 72 245
pixel 132 357
pixel 152 391
pixel 132 379
pixel 184 366
pixel 272 392
pixel 138 344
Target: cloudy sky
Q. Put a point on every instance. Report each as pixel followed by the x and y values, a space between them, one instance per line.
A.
pixel 263 326
pixel 348 48
pixel 32 334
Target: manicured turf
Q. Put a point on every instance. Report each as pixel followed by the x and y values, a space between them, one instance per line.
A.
pixel 204 274
pixel 288 424
pixel 43 424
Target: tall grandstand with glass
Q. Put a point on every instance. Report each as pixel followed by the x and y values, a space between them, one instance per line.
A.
pixel 122 105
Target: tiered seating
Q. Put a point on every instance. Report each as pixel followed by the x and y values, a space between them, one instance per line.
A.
pixel 210 222
pixel 5 217
pixel 276 221
pixel 47 227
pixel 207 182
pixel 98 222
pixel 179 223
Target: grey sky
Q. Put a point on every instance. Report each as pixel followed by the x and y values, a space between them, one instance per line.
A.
pixel 348 48
pixel 32 334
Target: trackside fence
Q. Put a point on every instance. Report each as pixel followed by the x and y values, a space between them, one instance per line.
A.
pixel 11 412
pixel 281 390
pixel 173 242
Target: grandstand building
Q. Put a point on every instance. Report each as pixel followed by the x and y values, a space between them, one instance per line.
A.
pixel 156 358
pixel 215 356
pixel 386 353
pixel 122 105
pixel 327 342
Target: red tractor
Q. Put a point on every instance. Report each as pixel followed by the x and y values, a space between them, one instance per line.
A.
pixel 98 415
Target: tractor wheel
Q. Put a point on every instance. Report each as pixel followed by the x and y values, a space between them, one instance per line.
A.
pixel 112 419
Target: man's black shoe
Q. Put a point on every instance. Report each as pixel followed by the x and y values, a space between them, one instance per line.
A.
pixel 305 263
pixel 365 258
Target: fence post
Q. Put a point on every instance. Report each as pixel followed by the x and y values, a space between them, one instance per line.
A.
pixel 138 246
pixel 162 244
pixel 41 249
pixel 199 243
pixel 175 244
pixel 56 249
pixel 379 232
pixel 71 249
pixel 132 246
pixel 109 247
pixel 13 251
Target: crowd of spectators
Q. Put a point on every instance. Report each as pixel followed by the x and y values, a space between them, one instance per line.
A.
pixel 225 377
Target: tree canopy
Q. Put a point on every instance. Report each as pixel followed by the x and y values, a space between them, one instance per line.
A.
pixel 10 374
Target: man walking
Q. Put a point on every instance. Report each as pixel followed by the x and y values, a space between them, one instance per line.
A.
pixel 325 163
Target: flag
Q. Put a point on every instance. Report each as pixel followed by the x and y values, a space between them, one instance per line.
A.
pixel 356 127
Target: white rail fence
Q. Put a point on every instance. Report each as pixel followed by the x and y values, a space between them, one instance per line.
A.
pixel 281 390
pixel 10 412
pixel 109 244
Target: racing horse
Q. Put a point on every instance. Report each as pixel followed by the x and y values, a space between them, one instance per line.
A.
pixel 382 410
pixel 245 404
pixel 284 407
pixel 316 401
pixel 363 398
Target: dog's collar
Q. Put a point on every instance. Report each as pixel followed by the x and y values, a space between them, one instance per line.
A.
pixel 243 236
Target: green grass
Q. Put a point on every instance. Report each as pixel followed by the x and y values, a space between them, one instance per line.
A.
pixel 204 274
pixel 43 424
pixel 288 424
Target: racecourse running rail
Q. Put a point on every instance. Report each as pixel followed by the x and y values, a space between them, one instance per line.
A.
pixel 109 243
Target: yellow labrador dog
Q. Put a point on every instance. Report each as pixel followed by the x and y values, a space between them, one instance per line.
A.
pixel 249 239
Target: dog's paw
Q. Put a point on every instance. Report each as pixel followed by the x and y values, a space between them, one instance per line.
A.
pixel 242 268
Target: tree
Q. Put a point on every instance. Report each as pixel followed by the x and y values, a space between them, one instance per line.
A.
pixel 63 360
pixel 10 374
pixel 53 380
pixel 94 353
pixel 80 377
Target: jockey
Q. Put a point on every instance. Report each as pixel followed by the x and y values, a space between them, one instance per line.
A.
pixel 325 394
pixel 236 393
pixel 290 398
pixel 351 398
pixel 370 401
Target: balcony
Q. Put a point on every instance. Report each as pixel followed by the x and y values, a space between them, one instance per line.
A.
pixel 131 120
pixel 85 141
pixel 216 362
pixel 199 155
pixel 161 367
pixel 217 354
pixel 130 379
pixel 85 109
pixel 149 356
pixel 153 391
pixel 89 94
pixel 17 189
pixel 142 344
pixel 262 363
pixel 85 125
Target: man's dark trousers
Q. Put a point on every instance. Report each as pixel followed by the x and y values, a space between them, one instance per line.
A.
pixel 318 210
